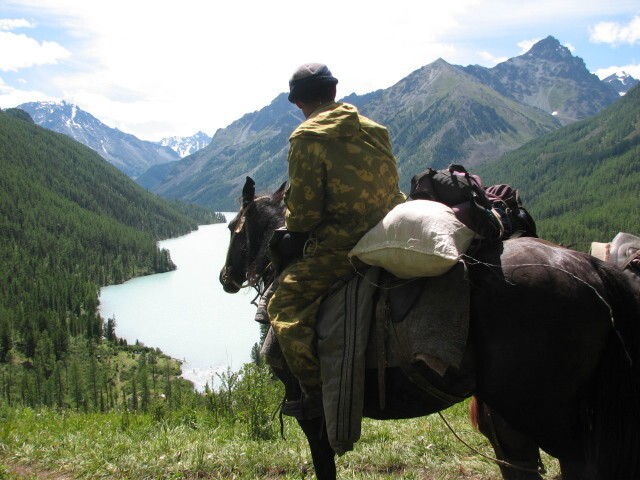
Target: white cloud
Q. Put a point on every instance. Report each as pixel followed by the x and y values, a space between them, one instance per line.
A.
pixel 633 70
pixel 7 24
pixel 10 96
pixel 615 33
pixel 20 51
pixel 173 68
pixel 201 65
pixel 14 23
pixel 490 59
pixel 525 45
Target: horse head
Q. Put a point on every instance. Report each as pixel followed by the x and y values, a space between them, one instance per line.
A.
pixel 247 261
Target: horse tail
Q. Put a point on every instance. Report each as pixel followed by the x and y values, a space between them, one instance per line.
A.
pixel 613 437
pixel 474 413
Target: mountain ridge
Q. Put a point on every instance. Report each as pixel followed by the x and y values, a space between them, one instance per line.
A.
pixel 621 82
pixel 438 114
pixel 560 84
pixel 123 150
pixel 70 222
pixel 185 146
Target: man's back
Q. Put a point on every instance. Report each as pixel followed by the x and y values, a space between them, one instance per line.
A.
pixel 345 161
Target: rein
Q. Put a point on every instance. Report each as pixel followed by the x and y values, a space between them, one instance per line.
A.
pixel 541 468
pixel 240 226
pixel 259 281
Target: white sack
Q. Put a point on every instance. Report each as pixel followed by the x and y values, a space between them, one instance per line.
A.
pixel 419 238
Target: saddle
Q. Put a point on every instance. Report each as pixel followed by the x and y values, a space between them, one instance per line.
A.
pixel 373 321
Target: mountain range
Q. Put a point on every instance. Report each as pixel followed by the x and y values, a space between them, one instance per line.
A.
pixel 185 146
pixel 70 223
pixel 439 114
pixel 621 82
pixel 550 78
pixel 125 151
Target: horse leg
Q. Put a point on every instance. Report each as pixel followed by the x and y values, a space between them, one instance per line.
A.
pixel 520 452
pixel 322 454
pixel 314 429
pixel 572 469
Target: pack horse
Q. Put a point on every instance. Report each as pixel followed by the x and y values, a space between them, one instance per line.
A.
pixel 553 347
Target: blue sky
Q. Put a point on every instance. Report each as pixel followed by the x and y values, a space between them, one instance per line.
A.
pixel 167 67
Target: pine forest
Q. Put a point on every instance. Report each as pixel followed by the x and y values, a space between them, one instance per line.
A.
pixel 71 223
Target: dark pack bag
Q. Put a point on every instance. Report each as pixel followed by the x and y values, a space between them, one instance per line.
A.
pixel 495 212
pixel 461 191
pixel 515 218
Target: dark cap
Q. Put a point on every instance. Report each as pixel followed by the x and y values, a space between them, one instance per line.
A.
pixel 307 77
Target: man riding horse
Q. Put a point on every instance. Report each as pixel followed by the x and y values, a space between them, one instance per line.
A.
pixel 343 180
pixel 554 336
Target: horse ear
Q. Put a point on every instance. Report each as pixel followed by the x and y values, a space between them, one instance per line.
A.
pixel 248 192
pixel 278 195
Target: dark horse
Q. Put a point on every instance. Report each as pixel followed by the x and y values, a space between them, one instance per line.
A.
pixel 512 447
pixel 554 347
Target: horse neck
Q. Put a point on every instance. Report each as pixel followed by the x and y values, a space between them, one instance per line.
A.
pixel 259 267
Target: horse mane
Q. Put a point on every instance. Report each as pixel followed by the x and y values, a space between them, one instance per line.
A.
pixel 265 214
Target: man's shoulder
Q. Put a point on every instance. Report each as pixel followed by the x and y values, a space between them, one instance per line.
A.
pixel 335 120
pixel 366 122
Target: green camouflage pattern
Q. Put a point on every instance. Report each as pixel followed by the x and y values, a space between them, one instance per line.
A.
pixel 294 305
pixel 343 179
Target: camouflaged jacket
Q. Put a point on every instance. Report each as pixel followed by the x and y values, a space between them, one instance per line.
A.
pixel 343 177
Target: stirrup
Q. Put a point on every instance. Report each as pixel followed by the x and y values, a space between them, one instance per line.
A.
pixel 306 407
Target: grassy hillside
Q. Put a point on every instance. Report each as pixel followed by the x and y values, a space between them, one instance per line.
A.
pixel 582 182
pixel 234 433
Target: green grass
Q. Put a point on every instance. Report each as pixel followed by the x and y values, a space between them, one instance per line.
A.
pixel 219 439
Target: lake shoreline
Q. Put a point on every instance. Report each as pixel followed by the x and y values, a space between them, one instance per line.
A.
pixel 185 312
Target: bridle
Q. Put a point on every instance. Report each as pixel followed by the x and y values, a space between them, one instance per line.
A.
pixel 259 281
pixel 238 229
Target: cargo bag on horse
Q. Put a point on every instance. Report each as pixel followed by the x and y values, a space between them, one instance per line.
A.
pixel 494 213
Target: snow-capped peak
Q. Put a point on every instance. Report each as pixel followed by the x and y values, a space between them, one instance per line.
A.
pixel 621 82
pixel 185 146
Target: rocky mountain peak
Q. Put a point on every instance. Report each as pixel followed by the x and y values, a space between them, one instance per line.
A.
pixel 550 78
pixel 621 82
pixel 550 49
pixel 126 152
pixel 185 146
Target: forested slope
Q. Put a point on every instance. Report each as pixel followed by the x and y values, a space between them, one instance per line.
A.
pixel 582 182
pixel 69 223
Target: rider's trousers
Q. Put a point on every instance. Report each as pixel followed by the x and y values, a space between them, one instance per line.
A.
pixel 294 305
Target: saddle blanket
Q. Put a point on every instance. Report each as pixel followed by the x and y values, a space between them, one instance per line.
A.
pixel 372 323
pixel 426 320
